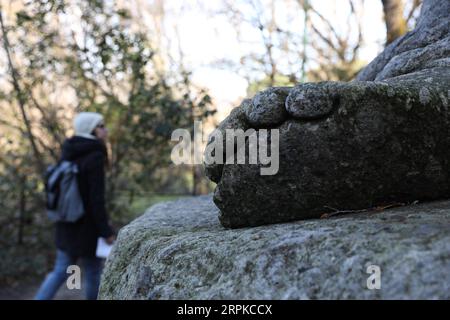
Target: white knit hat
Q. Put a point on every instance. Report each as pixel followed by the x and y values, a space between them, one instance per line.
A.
pixel 85 122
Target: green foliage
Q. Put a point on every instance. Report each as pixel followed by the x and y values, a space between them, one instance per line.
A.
pixel 336 71
pixel 280 81
pixel 109 66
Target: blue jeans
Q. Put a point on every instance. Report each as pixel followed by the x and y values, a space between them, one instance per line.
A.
pixel 59 275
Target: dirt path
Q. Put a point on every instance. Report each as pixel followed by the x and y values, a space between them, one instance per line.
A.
pixel 27 292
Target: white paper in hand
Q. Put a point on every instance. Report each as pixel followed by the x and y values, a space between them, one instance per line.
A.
pixel 103 249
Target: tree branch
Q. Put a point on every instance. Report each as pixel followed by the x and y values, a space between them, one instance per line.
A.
pixel 20 97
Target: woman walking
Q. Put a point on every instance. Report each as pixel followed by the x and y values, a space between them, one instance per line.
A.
pixel 78 240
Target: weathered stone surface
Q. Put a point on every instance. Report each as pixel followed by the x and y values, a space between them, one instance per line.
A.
pixel 433 26
pixel 235 120
pixel 267 107
pixel 178 250
pixel 359 144
pixel 396 148
pixel 312 100
pixel 417 59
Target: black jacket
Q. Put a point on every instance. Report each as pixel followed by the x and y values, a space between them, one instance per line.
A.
pixel 80 238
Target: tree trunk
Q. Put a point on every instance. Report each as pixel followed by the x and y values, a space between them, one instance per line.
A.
pixel 22 203
pixel 20 97
pixel 393 16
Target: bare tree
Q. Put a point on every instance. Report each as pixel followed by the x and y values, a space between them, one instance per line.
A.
pixel 335 53
pixel 302 45
pixel 396 21
pixel 21 97
pixel 277 60
pixel 393 16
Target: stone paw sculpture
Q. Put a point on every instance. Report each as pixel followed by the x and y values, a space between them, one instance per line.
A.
pixel 380 139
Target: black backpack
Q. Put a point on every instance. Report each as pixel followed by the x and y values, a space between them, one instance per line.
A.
pixel 64 202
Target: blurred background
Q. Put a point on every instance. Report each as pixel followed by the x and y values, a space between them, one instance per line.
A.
pixel 151 66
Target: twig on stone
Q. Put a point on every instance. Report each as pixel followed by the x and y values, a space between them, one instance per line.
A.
pixel 373 209
pixel 337 212
pixel 392 205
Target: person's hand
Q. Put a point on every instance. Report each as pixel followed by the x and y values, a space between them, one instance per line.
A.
pixel 110 240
